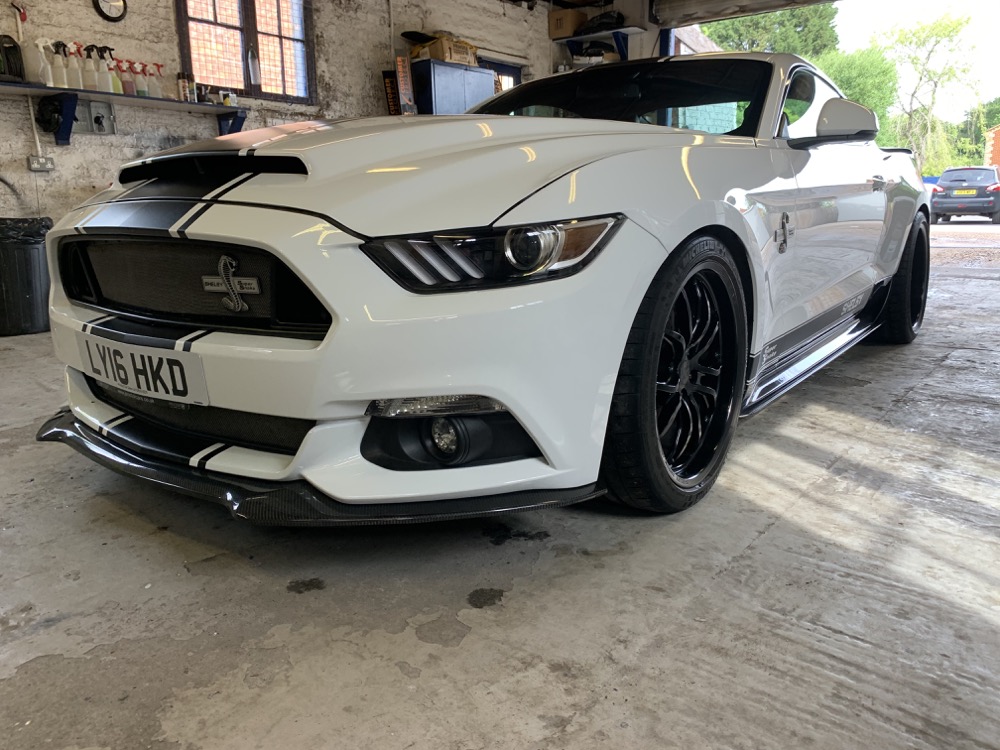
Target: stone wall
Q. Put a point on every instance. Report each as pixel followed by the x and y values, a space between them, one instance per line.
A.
pixel 353 44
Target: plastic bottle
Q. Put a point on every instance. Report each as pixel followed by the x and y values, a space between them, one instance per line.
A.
pixel 59 65
pixel 128 82
pixel 89 72
pixel 192 88
pixel 182 87
pixel 141 87
pixel 105 71
pixel 112 63
pixel 36 63
pixel 74 76
pixel 153 81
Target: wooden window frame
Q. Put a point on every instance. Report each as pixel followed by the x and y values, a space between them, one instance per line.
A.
pixel 248 13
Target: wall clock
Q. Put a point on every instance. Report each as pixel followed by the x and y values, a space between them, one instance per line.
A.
pixel 111 10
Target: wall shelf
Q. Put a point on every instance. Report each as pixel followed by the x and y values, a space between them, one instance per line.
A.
pixel 230 118
pixel 618 36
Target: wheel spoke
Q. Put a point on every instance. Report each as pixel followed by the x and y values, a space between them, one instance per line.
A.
pixel 709 342
pixel 704 390
pixel 683 431
pixel 670 422
pixel 670 388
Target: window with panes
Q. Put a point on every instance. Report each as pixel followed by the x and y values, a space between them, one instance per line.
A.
pixel 220 38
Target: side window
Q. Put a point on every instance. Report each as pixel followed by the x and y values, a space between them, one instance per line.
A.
pixel 803 103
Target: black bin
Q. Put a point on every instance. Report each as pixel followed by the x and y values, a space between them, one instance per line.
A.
pixel 24 276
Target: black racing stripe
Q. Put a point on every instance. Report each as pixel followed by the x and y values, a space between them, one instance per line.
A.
pixel 239 183
pixel 195 188
pixel 182 229
pixel 116 420
pixel 203 461
pixel 141 214
pixel 134 190
pixel 90 323
pixel 140 334
pixel 187 344
pixel 150 440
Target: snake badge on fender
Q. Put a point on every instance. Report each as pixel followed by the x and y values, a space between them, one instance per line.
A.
pixel 233 286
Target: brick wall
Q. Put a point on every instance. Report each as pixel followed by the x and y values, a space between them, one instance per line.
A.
pixel 352 46
pixel 992 151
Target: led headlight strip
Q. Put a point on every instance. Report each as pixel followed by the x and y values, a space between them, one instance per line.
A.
pixel 476 259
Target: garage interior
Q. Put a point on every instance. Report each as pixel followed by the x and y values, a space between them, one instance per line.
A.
pixel 838 589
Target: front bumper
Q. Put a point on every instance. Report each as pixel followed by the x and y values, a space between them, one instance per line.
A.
pixel 293 503
pixel 549 352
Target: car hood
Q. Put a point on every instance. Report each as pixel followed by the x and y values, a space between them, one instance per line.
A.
pixel 392 175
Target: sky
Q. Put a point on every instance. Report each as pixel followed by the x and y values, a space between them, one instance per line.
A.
pixel 859 21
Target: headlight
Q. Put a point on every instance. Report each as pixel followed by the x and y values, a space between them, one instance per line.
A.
pixel 455 261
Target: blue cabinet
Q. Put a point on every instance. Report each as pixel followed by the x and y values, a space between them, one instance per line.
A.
pixel 442 88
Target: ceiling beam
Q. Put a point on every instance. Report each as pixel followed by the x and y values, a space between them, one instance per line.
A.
pixel 677 13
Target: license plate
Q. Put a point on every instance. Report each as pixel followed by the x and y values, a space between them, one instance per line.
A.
pixel 159 373
pixel 963 192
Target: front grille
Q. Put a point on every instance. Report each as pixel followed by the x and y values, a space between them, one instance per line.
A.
pixel 182 281
pixel 273 434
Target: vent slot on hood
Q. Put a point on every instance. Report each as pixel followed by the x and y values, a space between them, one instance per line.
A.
pixel 215 167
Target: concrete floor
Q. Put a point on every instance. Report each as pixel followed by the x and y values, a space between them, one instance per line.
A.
pixel 840 588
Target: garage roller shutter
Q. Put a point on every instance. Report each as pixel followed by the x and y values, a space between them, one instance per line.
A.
pixel 678 13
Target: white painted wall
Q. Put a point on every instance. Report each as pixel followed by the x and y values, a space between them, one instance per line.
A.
pixel 352 47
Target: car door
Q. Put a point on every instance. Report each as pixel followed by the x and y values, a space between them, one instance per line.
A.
pixel 827 266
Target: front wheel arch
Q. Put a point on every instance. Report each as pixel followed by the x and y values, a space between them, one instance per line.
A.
pixel 681 382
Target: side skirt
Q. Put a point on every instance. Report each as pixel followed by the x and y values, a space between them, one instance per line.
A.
pixel 768 382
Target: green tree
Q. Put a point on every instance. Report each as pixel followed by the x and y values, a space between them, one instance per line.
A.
pixel 808 31
pixel 973 129
pixel 867 77
pixel 934 52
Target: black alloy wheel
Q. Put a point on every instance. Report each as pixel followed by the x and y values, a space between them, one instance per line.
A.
pixel 680 385
pixel 904 309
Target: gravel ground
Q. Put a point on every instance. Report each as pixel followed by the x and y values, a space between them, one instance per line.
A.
pixel 969 242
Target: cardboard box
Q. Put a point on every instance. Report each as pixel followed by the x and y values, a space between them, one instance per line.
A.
pixel 448 50
pixel 564 23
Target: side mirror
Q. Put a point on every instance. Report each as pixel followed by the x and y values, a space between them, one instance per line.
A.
pixel 841 121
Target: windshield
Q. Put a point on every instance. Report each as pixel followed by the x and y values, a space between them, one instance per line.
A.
pixel 972 175
pixel 712 96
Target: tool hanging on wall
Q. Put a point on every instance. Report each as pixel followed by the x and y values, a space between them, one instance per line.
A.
pixel 22 17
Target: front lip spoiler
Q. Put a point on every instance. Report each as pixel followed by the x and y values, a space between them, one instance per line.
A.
pixel 294 503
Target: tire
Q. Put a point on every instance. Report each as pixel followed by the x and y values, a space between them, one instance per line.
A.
pixel 680 384
pixel 996 217
pixel 935 218
pixel 945 218
pixel 904 309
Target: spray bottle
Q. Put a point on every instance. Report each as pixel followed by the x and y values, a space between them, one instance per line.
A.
pixel 103 74
pixel 153 80
pixel 36 64
pixel 107 55
pixel 74 75
pixel 128 82
pixel 141 87
pixel 59 65
pixel 89 72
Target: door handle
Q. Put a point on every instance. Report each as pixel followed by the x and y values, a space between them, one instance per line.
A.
pixel 784 232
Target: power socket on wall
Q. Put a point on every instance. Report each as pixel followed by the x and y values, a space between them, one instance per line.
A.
pixel 41 163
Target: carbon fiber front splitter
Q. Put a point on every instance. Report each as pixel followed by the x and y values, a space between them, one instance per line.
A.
pixel 294 503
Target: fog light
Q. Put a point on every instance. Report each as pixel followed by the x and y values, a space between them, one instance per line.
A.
pixel 444 436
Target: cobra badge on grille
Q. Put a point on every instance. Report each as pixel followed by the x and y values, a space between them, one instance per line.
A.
pixel 233 286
